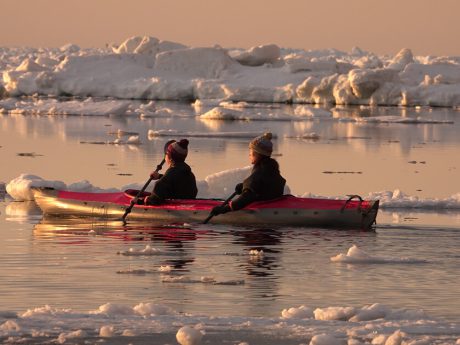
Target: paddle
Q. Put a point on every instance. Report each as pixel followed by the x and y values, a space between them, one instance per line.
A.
pixel 134 200
pixel 223 204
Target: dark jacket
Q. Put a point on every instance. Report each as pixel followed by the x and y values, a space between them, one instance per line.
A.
pixel 264 183
pixel 178 182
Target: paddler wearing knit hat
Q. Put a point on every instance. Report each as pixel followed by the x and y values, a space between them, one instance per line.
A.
pixel 265 181
pixel 178 182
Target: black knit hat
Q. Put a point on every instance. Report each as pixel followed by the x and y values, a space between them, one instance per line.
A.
pixel 178 150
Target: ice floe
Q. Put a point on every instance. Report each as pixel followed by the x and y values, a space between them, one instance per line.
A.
pixel 356 255
pixel 176 133
pixel 187 335
pixel 398 199
pixel 369 324
pixel 145 67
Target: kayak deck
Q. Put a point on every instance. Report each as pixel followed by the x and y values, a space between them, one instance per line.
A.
pixel 285 211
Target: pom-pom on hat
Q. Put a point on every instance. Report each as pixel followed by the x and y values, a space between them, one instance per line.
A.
pixel 262 145
pixel 178 150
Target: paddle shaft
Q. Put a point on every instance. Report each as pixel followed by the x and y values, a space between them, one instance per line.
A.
pixel 134 200
pixel 223 204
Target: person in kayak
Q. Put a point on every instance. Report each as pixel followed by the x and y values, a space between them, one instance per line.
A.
pixel 178 182
pixel 265 181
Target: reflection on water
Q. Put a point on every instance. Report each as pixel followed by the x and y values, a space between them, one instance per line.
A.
pixel 263 246
pixel 256 271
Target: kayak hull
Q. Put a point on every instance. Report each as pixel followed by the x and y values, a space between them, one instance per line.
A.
pixel 285 211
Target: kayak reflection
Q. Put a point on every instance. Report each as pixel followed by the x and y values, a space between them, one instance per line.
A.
pixel 263 246
pixel 55 227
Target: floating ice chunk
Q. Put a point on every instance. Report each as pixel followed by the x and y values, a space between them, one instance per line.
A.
pixel 20 188
pixel 398 199
pixel 246 105
pixel 87 187
pixel 45 311
pixel 162 112
pixel 256 252
pixel 357 255
pixel 63 337
pixel 301 312
pixel 311 135
pixel 310 112
pixel 10 326
pixel 166 268
pixel 326 339
pixel 112 309
pixel 128 333
pixel 107 331
pixel 334 313
pixel 257 56
pixel 219 113
pixel 372 312
pixel 396 338
pixel 133 140
pixel 148 250
pixel 224 182
pixel 188 335
pixel 400 120
pixel 175 133
pixel 151 309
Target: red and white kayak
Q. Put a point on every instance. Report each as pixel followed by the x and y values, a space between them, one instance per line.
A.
pixel 285 211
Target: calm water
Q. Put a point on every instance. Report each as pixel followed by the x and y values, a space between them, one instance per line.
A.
pixel 78 265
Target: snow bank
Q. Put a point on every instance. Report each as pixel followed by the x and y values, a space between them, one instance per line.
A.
pixel 148 68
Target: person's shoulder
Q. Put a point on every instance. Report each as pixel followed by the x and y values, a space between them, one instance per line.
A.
pixel 182 167
pixel 269 163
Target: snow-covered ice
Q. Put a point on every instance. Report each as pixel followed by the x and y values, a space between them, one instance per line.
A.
pixel 369 324
pixel 148 68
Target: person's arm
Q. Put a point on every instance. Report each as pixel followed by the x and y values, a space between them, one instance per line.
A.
pixel 161 190
pixel 248 196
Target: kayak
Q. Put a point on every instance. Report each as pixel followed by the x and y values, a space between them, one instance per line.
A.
pixel 287 210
